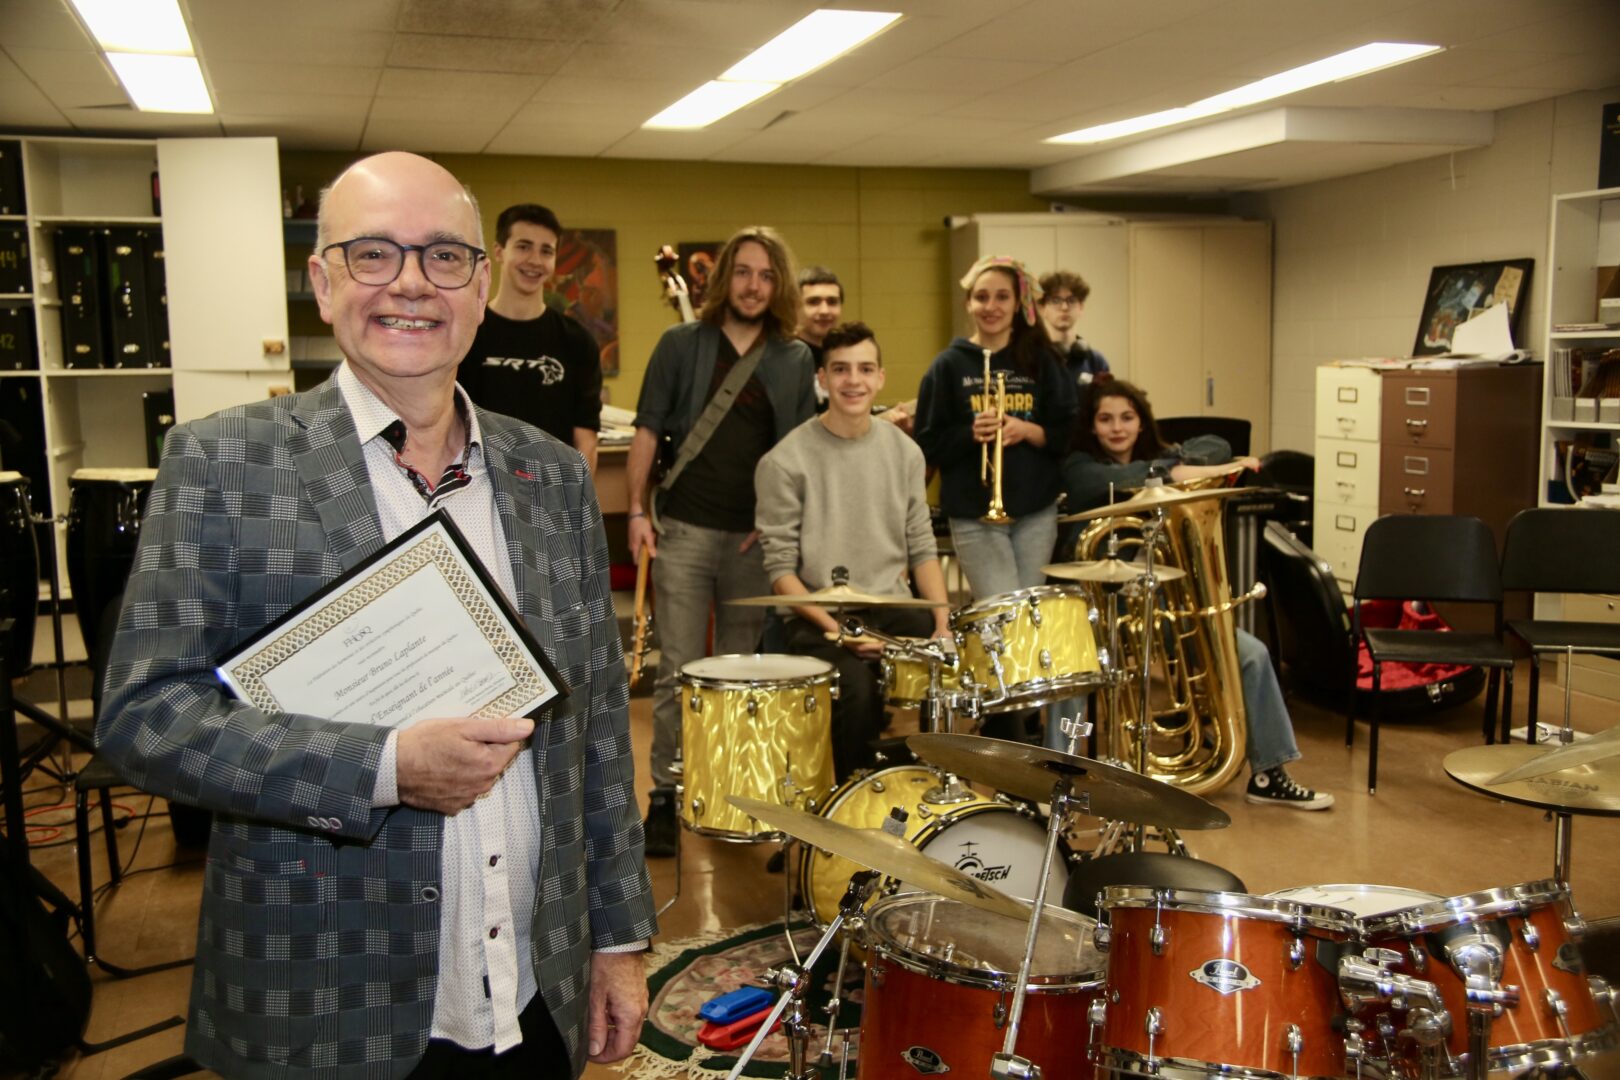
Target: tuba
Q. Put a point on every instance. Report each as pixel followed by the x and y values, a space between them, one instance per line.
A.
pixel 1198 734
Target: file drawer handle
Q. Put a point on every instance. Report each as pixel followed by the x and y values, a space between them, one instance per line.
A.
pixel 1344 523
pixel 1419 424
pixel 1349 394
pixel 1346 459
pixel 1414 493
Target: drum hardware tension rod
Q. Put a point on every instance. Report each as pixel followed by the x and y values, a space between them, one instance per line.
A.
pixel 793 980
pixel 1007 1065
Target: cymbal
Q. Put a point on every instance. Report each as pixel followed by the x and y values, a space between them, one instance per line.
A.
pixel 885 853
pixel 1558 756
pixel 836 596
pixel 1151 498
pixel 1030 771
pixel 1110 571
pixel 1592 788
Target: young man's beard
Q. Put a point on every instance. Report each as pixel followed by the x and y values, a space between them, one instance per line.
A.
pixel 749 320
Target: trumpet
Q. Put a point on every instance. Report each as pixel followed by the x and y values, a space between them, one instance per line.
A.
pixel 997 513
pixel 984 450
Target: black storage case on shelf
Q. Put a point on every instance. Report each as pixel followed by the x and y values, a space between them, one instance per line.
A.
pixel 12 200
pixel 19 346
pixel 81 280
pixel 131 336
pixel 16 269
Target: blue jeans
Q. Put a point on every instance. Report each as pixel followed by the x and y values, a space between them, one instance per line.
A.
pixel 1004 558
pixel 696 569
pixel 1271 732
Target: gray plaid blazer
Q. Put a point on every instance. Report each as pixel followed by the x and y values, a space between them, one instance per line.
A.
pixel 317 945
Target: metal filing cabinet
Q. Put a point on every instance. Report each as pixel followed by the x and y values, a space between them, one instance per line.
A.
pixel 1348 424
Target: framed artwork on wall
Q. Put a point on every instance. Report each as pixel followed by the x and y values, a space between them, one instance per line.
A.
pixel 585 286
pixel 1457 293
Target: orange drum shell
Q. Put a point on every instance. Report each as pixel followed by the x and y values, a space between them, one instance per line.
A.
pixel 1245 1028
pixel 1531 971
pixel 905 1008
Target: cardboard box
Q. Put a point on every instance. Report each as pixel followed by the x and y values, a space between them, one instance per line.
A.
pixel 1585 410
pixel 1608 294
pixel 1609 410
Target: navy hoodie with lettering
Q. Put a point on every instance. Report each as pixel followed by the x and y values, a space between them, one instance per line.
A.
pixel 953 391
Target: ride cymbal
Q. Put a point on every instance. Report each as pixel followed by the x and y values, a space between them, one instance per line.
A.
pixel 884 853
pixel 1558 757
pixel 1031 771
pixel 836 596
pixel 1592 788
pixel 1151 498
pixel 1110 571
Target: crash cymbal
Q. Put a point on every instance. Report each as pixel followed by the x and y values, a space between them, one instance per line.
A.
pixel 1030 772
pixel 836 596
pixel 885 853
pixel 1591 788
pixel 1109 571
pixel 1558 756
pixel 1153 497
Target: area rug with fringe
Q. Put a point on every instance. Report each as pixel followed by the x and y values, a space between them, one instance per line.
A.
pixel 682 975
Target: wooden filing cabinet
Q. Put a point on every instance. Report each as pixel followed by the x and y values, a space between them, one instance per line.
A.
pixel 1348 453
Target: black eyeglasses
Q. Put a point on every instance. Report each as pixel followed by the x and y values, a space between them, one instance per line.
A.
pixel 1061 301
pixel 373 260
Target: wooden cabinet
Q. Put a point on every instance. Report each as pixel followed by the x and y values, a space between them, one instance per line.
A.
pixel 1181 308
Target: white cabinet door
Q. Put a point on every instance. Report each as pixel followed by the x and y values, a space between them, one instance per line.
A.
pixel 223 246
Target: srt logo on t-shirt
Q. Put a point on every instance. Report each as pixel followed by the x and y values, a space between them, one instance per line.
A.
pixel 549 367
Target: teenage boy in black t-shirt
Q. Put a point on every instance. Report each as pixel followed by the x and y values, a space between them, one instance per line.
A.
pixel 528 360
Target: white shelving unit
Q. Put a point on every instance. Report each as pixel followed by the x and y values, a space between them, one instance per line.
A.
pixel 1584 235
pixel 227 306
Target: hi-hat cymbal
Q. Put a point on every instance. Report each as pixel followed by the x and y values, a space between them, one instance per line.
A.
pixel 836 596
pixel 1030 772
pixel 1109 571
pixel 1591 788
pixel 1557 757
pixel 884 853
pixel 1151 498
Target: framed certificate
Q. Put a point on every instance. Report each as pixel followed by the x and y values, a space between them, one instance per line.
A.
pixel 418 630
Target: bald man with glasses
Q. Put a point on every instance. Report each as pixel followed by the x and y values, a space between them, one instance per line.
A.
pixel 461 897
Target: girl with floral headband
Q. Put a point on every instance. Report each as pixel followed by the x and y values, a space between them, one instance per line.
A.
pixel 956 419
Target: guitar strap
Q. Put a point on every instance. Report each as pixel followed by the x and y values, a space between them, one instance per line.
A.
pixel 714 412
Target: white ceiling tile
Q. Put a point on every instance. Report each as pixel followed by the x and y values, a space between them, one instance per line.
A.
pixel 649 61
pixel 40 24
pixel 23 105
pixel 324 14
pixel 73 78
pixel 417 83
pixel 555 20
pixel 677 25
pixel 242 103
pixel 437 112
pixel 297 131
pixel 253 76
pixel 287 43
pixel 494 54
pixel 641 98
pixel 131 122
pixel 1584 72
pixel 949 73
pixel 566 140
pixel 672 145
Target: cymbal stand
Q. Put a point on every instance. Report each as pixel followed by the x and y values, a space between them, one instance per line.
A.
pixel 835 1004
pixel 1563 820
pixel 793 980
pixel 1007 1065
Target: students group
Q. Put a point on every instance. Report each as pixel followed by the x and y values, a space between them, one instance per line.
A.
pixel 758 465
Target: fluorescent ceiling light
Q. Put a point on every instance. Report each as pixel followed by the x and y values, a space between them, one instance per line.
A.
pixel 814 40
pixel 709 103
pixel 162 83
pixel 142 26
pixel 1345 65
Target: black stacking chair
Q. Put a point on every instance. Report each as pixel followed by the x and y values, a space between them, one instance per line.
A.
pixel 1430 557
pixel 1562 550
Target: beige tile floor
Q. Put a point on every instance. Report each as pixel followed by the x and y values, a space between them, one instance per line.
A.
pixel 1421 831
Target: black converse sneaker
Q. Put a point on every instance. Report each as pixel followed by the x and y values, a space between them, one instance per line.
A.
pixel 1275 787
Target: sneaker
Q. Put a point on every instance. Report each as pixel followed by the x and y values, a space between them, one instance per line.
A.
pixel 1277 788
pixel 660 827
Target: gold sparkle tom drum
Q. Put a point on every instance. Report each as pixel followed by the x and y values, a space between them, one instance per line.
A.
pixel 905 677
pixel 1043 639
pixel 754 725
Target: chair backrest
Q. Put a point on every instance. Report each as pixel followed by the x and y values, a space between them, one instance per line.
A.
pixel 1178 429
pixel 1565 549
pixel 1429 557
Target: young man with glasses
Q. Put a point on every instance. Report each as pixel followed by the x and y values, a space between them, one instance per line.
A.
pixel 460 896
pixel 705 550
pixel 530 360
pixel 1063 297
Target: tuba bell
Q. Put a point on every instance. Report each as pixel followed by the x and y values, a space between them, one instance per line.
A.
pixel 1198 733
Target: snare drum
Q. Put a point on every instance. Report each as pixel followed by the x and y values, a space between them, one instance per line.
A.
pixel 103 528
pixel 19 572
pixel 1212 983
pixel 1361 901
pixel 1532 932
pixel 939 985
pixel 756 726
pixel 1044 638
pixel 905 677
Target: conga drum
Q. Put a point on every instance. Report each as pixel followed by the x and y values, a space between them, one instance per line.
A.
pixel 104 525
pixel 19 571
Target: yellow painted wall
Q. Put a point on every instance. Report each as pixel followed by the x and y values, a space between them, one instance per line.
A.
pixel 881 230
